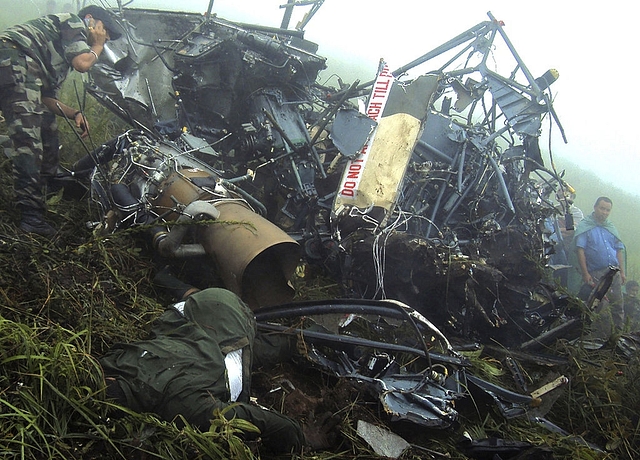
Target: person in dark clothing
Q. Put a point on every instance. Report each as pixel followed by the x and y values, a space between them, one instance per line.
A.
pixel 35 59
pixel 197 360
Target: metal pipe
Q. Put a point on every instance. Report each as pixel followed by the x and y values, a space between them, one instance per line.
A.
pixel 503 185
pixel 255 203
pixel 286 17
pixel 473 32
pixel 525 70
pixel 436 207
pixel 461 166
pixel 169 244
pixel 510 396
pixel 390 309
pixel 209 9
pixel 441 155
pixel 347 339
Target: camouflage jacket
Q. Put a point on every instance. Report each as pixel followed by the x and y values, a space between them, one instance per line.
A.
pixel 52 41
pixel 181 369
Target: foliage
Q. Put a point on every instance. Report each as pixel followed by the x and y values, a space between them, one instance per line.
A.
pixel 64 303
pixel 602 401
pixel 49 391
pixel 53 405
pixel 103 125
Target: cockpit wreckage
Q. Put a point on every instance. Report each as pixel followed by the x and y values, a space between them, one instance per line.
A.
pixel 429 190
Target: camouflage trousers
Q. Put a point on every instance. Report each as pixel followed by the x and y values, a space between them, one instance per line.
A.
pixel 32 127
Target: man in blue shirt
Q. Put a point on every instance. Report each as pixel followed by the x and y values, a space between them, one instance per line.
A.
pixel 598 246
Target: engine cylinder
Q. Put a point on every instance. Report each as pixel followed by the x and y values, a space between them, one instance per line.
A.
pixel 254 258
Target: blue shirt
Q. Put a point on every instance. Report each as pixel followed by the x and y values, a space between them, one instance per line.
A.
pixel 600 248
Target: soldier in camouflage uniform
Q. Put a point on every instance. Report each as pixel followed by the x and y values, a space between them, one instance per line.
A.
pixel 35 58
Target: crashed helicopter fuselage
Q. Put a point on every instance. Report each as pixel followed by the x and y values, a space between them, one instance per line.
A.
pixel 435 194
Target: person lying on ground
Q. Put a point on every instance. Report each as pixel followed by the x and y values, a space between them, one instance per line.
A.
pixel 197 360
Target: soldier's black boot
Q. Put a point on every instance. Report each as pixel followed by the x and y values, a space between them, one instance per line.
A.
pixel 167 280
pixel 33 222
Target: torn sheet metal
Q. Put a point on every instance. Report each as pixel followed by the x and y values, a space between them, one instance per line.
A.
pixel 383 442
pixel 372 179
pixel 350 131
pixel 386 347
pixel 543 390
pixel 452 193
pixel 391 352
pixel 404 398
pixel 629 344
pixel 495 448
pixel 509 403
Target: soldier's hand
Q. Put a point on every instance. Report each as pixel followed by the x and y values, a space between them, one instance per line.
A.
pixel 82 124
pixel 96 33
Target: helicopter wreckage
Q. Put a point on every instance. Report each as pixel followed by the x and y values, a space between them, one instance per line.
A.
pixel 430 191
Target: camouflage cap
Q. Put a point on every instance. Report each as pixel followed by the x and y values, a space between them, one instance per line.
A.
pixel 107 18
